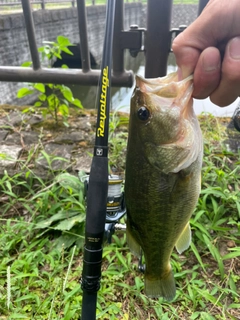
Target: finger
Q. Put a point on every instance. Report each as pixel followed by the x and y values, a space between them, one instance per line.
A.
pixel 186 56
pixel 229 87
pixel 189 44
pixel 213 28
pixel 207 73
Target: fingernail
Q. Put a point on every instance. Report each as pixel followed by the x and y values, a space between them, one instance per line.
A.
pixel 183 73
pixel 210 63
pixel 234 48
pixel 179 73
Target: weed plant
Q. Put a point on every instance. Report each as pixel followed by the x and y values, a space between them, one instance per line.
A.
pixel 54 100
pixel 117 141
pixel 39 274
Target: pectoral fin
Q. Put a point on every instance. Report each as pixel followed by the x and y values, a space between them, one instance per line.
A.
pixel 184 240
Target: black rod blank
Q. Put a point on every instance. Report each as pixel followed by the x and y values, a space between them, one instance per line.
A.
pixel 98 181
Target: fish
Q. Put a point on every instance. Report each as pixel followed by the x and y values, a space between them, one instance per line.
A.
pixel 162 176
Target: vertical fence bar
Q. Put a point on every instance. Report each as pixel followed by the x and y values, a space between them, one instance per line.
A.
pixel 157 40
pixel 82 25
pixel 201 5
pixel 43 4
pixel 118 53
pixel 27 12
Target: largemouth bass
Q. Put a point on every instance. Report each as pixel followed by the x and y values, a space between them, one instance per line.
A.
pixel 163 169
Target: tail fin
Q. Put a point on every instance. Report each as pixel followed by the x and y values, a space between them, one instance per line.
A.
pixel 164 287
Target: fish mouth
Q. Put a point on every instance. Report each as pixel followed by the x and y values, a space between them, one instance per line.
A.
pixel 167 88
pixel 161 81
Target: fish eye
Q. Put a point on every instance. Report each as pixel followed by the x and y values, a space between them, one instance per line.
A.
pixel 143 113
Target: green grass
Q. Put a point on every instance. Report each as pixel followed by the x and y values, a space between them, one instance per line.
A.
pixel 39 276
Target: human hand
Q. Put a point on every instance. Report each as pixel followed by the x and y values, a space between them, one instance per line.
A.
pixel 210 47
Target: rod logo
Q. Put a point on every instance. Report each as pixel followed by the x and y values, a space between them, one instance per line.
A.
pixel 103 103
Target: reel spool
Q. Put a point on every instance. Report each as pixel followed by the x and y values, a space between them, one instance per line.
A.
pixel 115 200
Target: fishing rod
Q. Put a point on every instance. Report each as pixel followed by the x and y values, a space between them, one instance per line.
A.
pixel 97 192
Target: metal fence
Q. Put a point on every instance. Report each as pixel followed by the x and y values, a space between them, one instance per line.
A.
pixel 43 4
pixel 84 76
pixel 156 46
pixel 11 4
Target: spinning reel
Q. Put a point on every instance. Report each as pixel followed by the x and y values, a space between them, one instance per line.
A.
pixel 116 208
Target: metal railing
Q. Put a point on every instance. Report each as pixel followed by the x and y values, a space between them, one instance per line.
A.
pixel 84 76
pixel 11 4
pixel 156 44
pixel 45 4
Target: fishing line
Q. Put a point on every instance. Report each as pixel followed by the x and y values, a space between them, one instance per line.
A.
pixel 97 88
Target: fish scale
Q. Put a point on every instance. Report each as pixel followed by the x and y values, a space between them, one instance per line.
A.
pixel 162 182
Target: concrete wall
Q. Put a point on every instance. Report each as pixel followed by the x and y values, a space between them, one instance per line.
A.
pixel 49 24
pixel 14 49
pixel 184 14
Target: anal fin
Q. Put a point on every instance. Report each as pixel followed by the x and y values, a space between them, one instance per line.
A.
pixel 133 245
pixel 184 240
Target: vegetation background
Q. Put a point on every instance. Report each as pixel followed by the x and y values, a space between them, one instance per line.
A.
pixel 42 232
